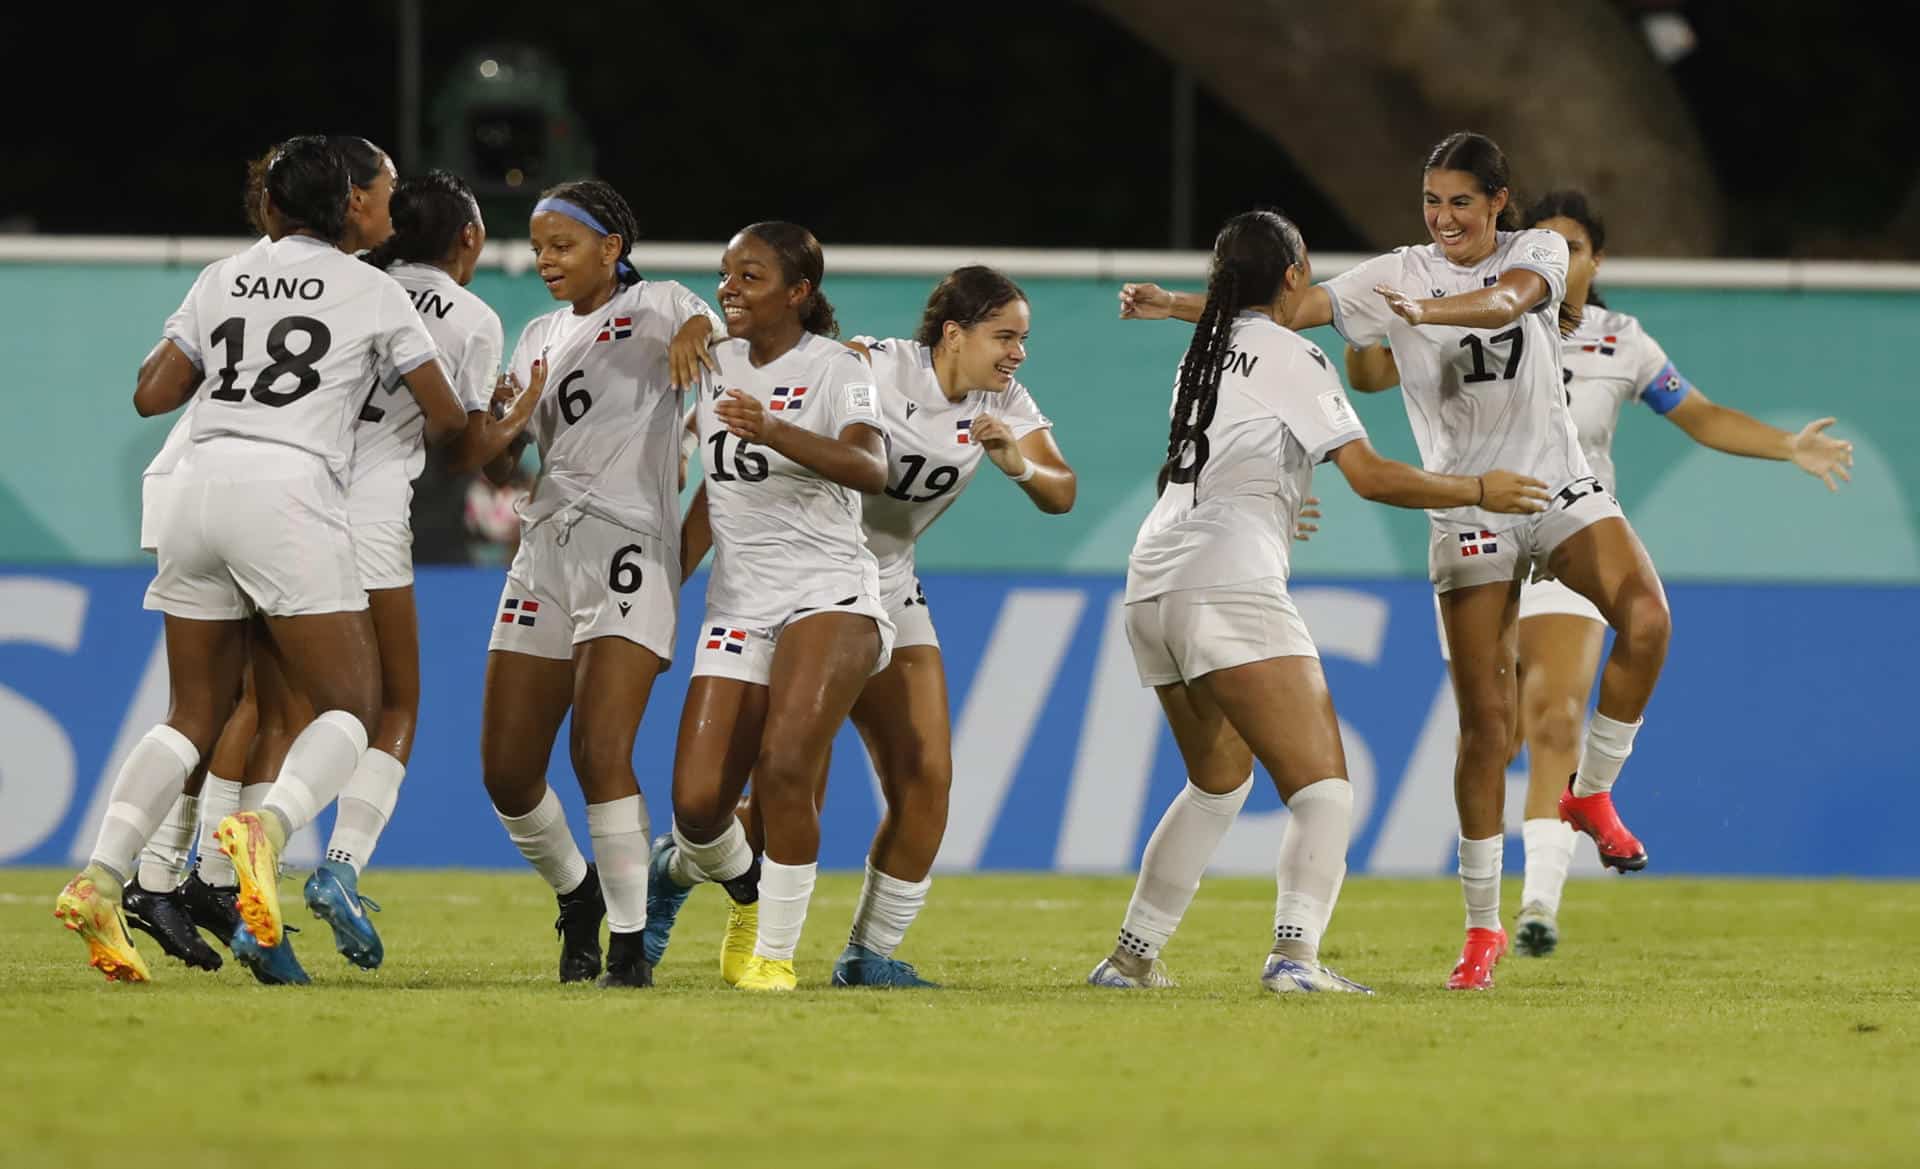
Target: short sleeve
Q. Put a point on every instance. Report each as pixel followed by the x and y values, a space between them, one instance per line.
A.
pixel 479 365
pixel 688 304
pixel 1656 382
pixel 403 342
pixel 1359 313
pixel 1314 405
pixel 527 350
pixel 1020 412
pixel 183 327
pixel 850 394
pixel 1544 252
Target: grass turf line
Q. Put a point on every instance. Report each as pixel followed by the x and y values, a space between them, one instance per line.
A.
pixel 1681 1022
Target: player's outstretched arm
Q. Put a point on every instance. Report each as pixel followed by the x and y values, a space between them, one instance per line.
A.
pixel 1383 480
pixel 1372 369
pixel 1495 307
pixel 167 379
pixel 1150 302
pixel 1736 432
pixel 488 439
pixel 1033 462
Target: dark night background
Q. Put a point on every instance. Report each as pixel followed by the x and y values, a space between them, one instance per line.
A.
pixel 1020 124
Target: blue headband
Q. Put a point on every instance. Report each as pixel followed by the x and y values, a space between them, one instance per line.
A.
pixel 581 215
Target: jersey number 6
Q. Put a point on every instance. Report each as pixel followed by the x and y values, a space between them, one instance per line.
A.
pixel 623 576
pixel 574 404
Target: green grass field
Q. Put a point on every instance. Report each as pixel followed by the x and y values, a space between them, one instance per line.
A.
pixel 1681 1023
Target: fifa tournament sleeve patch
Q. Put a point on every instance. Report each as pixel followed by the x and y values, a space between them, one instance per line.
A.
pixel 1338 411
pixel 1541 254
pixel 1666 390
pixel 860 396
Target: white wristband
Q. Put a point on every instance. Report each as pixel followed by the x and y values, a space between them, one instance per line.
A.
pixel 1025 475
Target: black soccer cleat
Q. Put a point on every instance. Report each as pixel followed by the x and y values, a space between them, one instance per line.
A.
pixel 212 907
pixel 578 925
pixel 627 963
pixel 165 916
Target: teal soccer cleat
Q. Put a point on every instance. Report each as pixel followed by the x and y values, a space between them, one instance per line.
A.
pixel 276 965
pixel 859 966
pixel 333 893
pixel 665 896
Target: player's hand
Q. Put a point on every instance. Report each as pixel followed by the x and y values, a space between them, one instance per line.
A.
pixel 745 417
pixel 1145 302
pixel 1821 455
pixel 1504 491
pixel 996 439
pixel 688 354
pixel 507 389
pixel 1309 510
pixel 1405 307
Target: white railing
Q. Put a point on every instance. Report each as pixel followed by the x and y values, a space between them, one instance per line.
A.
pixel 1086 263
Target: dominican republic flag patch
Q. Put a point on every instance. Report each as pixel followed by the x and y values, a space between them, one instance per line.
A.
pixel 788 398
pixel 1604 348
pixel 514 609
pixel 1481 543
pixel 963 432
pixel 734 641
pixel 615 329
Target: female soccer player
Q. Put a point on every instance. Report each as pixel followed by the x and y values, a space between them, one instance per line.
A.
pixel 1473 321
pixel 1610 360
pixel 258 522
pixel 948 397
pixel 1213 630
pixel 437 238
pixel 795 626
pixel 586 619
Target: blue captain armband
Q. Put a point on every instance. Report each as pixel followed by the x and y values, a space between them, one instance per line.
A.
pixel 1667 389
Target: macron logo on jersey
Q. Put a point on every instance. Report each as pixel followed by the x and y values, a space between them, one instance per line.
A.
pixel 963 432
pixel 1481 543
pixel 734 641
pixel 615 329
pixel 787 398
pixel 1604 348
pixel 514 609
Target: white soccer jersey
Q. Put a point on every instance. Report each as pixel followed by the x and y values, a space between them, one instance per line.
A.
pixel 784 538
pixel 932 448
pixel 608 423
pixel 1228 513
pixel 1478 399
pixel 390 442
pixel 288 336
pixel 1611 361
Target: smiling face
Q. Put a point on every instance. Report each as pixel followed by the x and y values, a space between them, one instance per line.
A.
pixel 755 296
pixel 989 351
pixel 575 261
pixel 1461 217
pixel 1582 261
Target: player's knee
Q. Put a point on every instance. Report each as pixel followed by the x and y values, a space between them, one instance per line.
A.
pixel 395 733
pixel 1645 623
pixel 1486 724
pixel 1553 724
pixel 784 774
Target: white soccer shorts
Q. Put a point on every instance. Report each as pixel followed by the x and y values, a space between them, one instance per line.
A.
pixel 1461 560
pixel 572 583
pixel 731 647
pixel 1190 633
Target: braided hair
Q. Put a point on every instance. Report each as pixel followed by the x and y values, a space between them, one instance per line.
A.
pixel 1251 256
pixel 429 212
pixel 601 201
pixel 800 259
pixel 306 182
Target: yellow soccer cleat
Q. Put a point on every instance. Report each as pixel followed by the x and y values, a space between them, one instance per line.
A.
pixel 243 837
pixel 99 921
pixel 767 974
pixel 736 945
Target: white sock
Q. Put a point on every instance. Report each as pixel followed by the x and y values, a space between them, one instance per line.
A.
pixel 717 860
pixel 619 832
pixel 366 804
pixel 1340 882
pixel 1608 744
pixel 543 838
pixel 784 893
pixel 150 780
pixel 1480 862
pixel 1549 852
pixel 886 910
pixel 1173 863
pixel 1312 864
pixel 319 764
pixel 163 862
pixel 219 798
pixel 253 796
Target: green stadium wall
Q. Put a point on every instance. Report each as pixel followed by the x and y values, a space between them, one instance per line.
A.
pixel 69 491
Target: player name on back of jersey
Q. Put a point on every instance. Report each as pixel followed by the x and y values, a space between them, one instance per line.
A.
pixel 426 300
pixel 249 287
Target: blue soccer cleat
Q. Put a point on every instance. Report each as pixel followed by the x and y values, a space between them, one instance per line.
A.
pixel 859 966
pixel 333 893
pixel 1286 976
pixel 665 896
pixel 272 965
